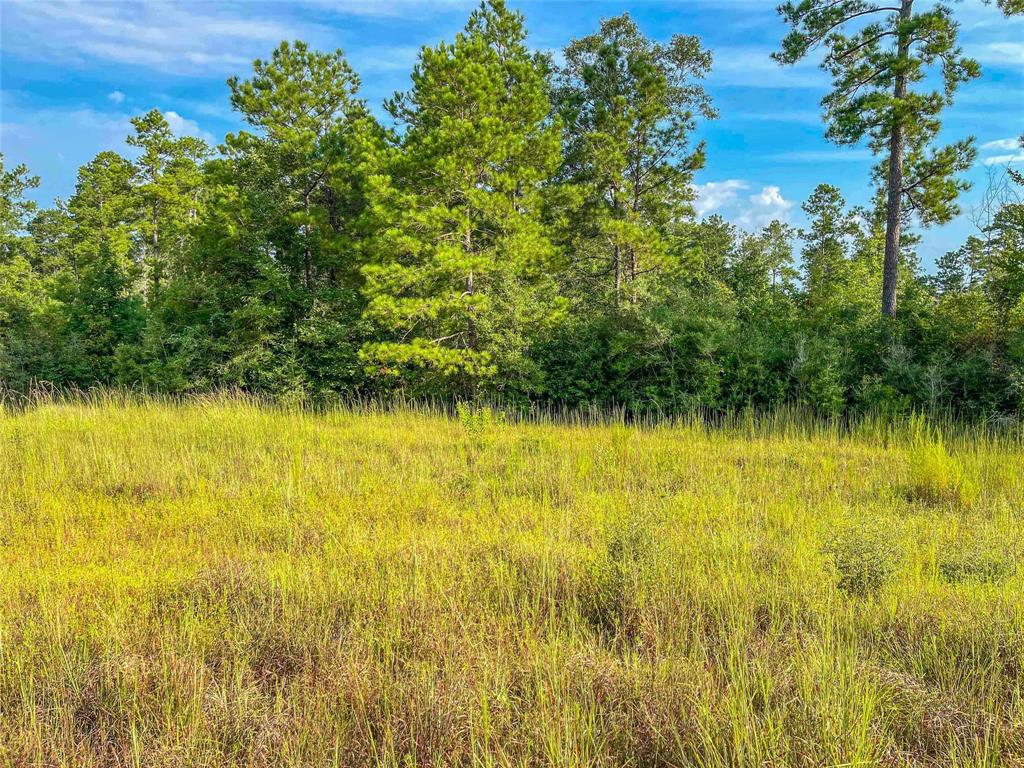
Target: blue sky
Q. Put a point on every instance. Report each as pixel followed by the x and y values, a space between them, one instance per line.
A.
pixel 72 74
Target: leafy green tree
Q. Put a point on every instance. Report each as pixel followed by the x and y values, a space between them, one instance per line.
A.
pixel 976 335
pixel 1006 267
pixel 103 212
pixel 15 209
pixel 756 358
pixel 1004 252
pixel 23 306
pixel 777 242
pixel 629 106
pixel 462 280
pixel 873 66
pixel 763 262
pixel 636 334
pixel 951 272
pixel 309 121
pixel 169 182
pixel 104 312
pixel 50 230
pixel 827 242
pixel 276 270
pixel 963 268
pixel 709 250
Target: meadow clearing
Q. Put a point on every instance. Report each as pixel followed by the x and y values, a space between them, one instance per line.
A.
pixel 220 583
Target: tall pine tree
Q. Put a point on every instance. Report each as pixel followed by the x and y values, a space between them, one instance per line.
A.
pixel 875 52
pixel 630 107
pixel 461 279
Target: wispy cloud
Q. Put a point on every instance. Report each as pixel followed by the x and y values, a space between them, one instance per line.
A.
pixel 1005 53
pixel 56 152
pixel 1011 143
pixel 383 58
pixel 385 8
pixel 116 96
pixel 1004 159
pixel 43 135
pixel 754 68
pixel 975 15
pixel 803 117
pixel 1009 151
pixel 162 36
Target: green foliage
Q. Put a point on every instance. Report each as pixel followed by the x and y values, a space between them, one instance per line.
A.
pixel 976 565
pixel 525 232
pixel 876 52
pixel 935 477
pixel 629 106
pixel 461 277
pixel 476 420
pixel 1011 7
pixel 15 209
pixel 865 558
pixel 825 258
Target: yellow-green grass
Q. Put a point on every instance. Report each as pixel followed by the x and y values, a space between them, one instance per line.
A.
pixel 220 583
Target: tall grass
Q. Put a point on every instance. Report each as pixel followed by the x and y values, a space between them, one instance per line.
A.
pixel 220 582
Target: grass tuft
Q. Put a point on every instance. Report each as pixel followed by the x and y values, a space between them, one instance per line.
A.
pixel 938 478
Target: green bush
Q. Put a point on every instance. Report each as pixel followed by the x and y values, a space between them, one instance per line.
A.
pixel 976 564
pixel 864 559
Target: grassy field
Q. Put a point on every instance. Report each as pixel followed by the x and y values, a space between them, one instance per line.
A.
pixel 220 584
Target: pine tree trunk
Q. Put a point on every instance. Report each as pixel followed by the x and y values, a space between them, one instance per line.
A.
pixel 471 335
pixel 307 255
pixel 156 259
pixel 618 275
pixel 893 213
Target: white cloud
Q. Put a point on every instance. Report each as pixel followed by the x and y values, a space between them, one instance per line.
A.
pixel 384 58
pixel 116 96
pixel 36 135
pixel 715 195
pixel 763 207
pixel 163 36
pixel 386 8
pixel 823 155
pixel 1010 151
pixel 1011 143
pixel 182 126
pixel 1003 159
pixel 802 116
pixel 191 38
pixel 80 133
pixel 754 212
pixel 975 15
pixel 1005 53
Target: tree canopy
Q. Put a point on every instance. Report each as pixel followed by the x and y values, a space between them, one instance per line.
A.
pixel 523 228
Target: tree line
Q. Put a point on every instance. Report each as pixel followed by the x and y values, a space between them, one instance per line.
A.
pixel 525 230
